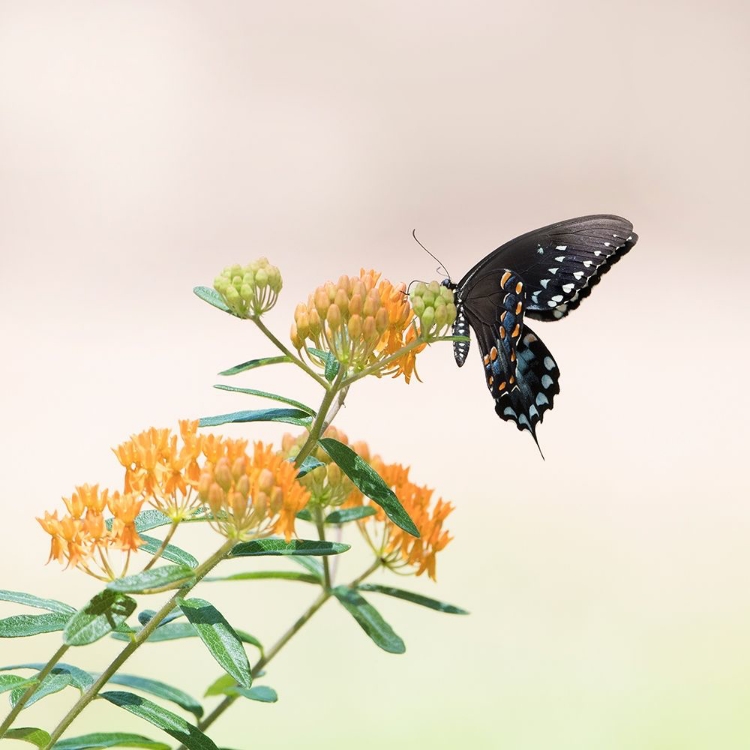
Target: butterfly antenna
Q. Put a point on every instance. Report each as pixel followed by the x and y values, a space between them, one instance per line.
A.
pixel 441 269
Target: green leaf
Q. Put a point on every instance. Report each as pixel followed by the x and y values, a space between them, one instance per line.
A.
pixel 280 547
pixel 311 564
pixel 109 739
pixel 154 581
pixel 52 683
pixel 253 363
pixel 160 690
pixel 345 515
pixel 20 626
pixel 171 723
pixel 145 616
pixel 171 553
pixel 410 596
pixel 20 597
pixel 151 519
pixel 35 736
pixel 261 693
pixel 177 630
pixel 304 515
pixel 308 465
pixel 12 681
pixel 369 620
pixel 219 637
pixel 220 686
pixel 258 575
pixel 213 298
pixel 78 677
pixel 369 482
pixel 332 365
pixel 266 394
pixel 290 416
pixel 99 617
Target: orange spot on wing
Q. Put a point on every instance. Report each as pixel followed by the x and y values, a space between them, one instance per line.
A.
pixel 505 278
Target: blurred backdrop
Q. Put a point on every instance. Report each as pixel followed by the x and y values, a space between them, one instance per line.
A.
pixel 144 146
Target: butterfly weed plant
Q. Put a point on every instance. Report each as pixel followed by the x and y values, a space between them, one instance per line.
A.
pixel 258 500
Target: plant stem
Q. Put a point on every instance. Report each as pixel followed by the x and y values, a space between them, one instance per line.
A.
pixel 297 361
pixel 31 689
pixel 142 636
pixel 318 515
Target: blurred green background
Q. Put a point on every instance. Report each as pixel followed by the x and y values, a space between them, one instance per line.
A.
pixel 144 146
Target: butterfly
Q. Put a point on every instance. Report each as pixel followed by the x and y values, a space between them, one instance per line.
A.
pixel 542 275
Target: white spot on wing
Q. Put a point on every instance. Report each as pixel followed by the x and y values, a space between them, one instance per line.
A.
pixel 558 298
pixel 561 247
pixel 544 282
pixel 546 381
pixel 578 275
pixel 552 304
pixel 568 288
pixel 549 363
pixel 553 270
pixel 523 420
pixel 598 252
pixel 508 411
pixel 587 263
pixel 560 258
pixel 541 398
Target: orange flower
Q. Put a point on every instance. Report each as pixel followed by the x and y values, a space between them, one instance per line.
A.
pixel 251 497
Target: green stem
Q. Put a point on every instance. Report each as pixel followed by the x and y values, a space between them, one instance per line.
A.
pixel 381 363
pixel 274 650
pixel 293 357
pixel 139 638
pixel 320 525
pixel 31 689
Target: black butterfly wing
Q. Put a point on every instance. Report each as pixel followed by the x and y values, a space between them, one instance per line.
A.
pixel 559 263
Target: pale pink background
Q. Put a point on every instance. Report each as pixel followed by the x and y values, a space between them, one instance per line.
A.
pixel 143 146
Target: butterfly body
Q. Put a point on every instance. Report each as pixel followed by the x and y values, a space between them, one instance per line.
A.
pixel 542 275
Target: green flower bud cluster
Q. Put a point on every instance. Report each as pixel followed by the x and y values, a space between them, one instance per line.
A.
pixel 251 290
pixel 434 307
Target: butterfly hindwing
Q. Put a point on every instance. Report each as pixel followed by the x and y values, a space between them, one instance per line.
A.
pixel 537 384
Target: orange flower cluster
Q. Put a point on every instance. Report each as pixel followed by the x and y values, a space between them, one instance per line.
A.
pixel 164 471
pixel 83 539
pixel 329 487
pixel 247 495
pixel 397 548
pixel 251 497
pixel 361 321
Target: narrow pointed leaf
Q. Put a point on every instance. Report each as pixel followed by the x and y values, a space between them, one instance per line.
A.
pixel 20 626
pixel 410 596
pixel 171 553
pixel 261 693
pixel 171 723
pixel 369 482
pixel 344 515
pixel 266 394
pixel 178 630
pixel 52 683
pixel 294 547
pixel 220 686
pixel 154 581
pixel 213 298
pixel 305 515
pixel 21 597
pixel 219 637
pixel 308 465
pixel 34 736
pixel 259 575
pixel 146 615
pixel 146 520
pixel 253 363
pixel 289 416
pixel 103 614
pixel 332 365
pixel 369 620
pixel 312 564
pixel 79 678
pixel 109 739
pixel 13 681
pixel 160 690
